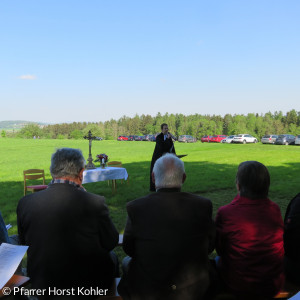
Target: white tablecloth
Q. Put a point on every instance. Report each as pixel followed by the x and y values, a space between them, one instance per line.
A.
pixel 99 174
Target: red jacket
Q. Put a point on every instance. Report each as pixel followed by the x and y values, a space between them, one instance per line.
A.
pixel 250 244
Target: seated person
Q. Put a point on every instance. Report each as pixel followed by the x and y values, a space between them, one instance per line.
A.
pixel 292 241
pixel 3 232
pixel 68 230
pixel 168 236
pixel 250 236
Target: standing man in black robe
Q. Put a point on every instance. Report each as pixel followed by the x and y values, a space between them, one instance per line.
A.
pixel 164 144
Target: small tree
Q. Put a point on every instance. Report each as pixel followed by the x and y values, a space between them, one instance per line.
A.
pixel 3 133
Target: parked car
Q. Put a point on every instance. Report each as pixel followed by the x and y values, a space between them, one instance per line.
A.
pixel 122 138
pixel 217 138
pixel 297 140
pixel 244 138
pixel 152 137
pixel 228 139
pixel 269 139
pixel 285 139
pixel 206 138
pixel 187 139
pixel 133 138
pixel 98 138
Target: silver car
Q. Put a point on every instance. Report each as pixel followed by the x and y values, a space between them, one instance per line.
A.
pixel 228 139
pixel 297 140
pixel 269 139
pixel 285 139
pixel 244 138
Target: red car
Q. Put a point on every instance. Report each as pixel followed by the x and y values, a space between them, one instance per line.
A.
pixel 218 138
pixel 122 138
pixel 206 138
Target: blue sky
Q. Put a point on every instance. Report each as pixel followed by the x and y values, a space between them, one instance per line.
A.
pixel 75 60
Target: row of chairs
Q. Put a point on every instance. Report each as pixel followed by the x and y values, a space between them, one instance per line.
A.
pixel 35 174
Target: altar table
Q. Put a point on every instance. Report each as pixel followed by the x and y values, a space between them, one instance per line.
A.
pixel 109 173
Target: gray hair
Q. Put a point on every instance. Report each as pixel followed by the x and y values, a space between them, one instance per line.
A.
pixel 168 171
pixel 66 162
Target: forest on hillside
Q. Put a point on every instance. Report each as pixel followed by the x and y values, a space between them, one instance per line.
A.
pixel 196 125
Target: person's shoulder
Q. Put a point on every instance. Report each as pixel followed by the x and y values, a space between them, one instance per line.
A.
pixel 295 202
pixel 194 197
pixel 94 198
pixel 140 201
pixel 159 136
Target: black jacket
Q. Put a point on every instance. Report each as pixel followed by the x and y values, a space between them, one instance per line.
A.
pixel 292 239
pixel 161 147
pixel 169 235
pixel 69 234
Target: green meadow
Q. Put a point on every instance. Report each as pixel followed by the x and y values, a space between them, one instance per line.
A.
pixel 210 169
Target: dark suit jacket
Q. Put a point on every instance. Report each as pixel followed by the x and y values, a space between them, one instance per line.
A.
pixel 69 234
pixel 292 239
pixel 169 235
pixel 161 147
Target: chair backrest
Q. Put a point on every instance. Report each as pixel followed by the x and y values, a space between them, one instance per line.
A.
pixel 116 164
pixel 33 174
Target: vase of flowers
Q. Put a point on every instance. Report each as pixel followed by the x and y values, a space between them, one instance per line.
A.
pixel 103 159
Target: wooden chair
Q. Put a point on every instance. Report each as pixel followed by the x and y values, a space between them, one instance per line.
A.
pixel 33 174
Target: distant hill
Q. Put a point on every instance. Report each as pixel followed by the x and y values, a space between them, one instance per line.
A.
pixel 15 125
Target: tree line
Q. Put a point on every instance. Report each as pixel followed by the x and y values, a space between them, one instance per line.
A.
pixel 196 125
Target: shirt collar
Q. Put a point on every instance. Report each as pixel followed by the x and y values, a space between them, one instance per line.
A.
pixel 54 181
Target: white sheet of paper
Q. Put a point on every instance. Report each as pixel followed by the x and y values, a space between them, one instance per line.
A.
pixel 8 226
pixel 296 297
pixel 10 258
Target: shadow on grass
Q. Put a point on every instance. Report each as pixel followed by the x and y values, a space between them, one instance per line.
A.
pixel 215 181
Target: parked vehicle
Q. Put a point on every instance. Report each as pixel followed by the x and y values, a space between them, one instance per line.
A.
pixel 122 138
pixel 244 138
pixel 269 139
pixel 98 138
pixel 206 138
pixel 297 140
pixel 152 137
pixel 228 139
pixel 148 137
pixel 217 138
pixel 187 139
pixel 133 138
pixel 285 139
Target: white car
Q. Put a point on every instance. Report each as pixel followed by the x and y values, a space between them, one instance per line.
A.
pixel 244 138
pixel 229 139
pixel 297 140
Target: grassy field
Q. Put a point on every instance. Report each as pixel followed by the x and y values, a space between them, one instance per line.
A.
pixel 210 169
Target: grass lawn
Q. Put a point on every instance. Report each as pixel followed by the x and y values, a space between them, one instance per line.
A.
pixel 210 168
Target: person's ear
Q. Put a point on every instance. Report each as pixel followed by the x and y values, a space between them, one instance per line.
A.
pixel 183 177
pixel 80 176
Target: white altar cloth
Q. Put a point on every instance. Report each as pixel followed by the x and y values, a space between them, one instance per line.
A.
pixel 99 174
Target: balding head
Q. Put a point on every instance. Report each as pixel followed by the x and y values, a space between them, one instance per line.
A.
pixel 168 172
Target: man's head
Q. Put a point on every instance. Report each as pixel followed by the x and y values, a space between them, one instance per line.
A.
pixel 253 180
pixel 67 163
pixel 164 128
pixel 168 172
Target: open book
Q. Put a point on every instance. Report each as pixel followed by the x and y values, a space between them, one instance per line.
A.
pixel 10 258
